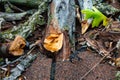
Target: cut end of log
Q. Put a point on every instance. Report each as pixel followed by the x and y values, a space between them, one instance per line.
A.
pixel 53 42
pixel 16 47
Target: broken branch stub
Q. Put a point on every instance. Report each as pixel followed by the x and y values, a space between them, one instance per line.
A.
pixel 14 48
pixel 61 20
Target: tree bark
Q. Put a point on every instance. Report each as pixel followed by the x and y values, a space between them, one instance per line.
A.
pixel 62 20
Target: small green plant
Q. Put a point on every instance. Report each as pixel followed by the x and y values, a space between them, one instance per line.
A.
pixel 97 16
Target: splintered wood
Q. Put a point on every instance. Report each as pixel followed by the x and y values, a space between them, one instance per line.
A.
pixel 16 47
pixel 60 28
pixel 53 42
pixel 13 48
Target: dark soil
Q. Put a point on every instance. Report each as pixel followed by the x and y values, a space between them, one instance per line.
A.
pixel 41 67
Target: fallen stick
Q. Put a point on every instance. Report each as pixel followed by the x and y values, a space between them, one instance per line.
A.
pixel 25 63
pixel 96 64
pixel 93 67
pixel 20 58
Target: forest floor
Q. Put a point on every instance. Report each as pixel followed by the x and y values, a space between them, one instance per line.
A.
pixel 45 68
pixel 65 70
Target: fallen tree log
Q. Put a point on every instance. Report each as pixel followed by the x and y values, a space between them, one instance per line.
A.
pixel 59 37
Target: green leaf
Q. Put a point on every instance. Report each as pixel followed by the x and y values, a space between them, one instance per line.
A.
pixel 97 16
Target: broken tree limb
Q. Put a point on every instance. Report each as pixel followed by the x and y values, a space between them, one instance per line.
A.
pixel 14 48
pixel 61 22
pixel 12 16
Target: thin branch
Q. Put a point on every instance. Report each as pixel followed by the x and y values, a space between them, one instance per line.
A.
pixel 96 64
pixel 19 59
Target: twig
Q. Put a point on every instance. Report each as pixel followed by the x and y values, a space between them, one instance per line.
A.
pixel 97 64
pixel 14 7
pixel 30 50
pixel 94 67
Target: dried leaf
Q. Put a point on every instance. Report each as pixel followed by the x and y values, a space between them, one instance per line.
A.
pixel 53 42
pixel 16 47
pixel 85 26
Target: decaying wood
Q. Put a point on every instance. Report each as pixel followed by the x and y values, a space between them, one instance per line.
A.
pixel 4 50
pixel 66 48
pixel 62 21
pixel 12 16
pixel 17 46
pixel 14 48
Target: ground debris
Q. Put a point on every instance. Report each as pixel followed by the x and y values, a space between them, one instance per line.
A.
pixel 103 42
pixel 16 72
pixel 29 26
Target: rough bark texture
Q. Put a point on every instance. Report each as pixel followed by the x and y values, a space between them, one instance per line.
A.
pixel 62 20
pixel 64 12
